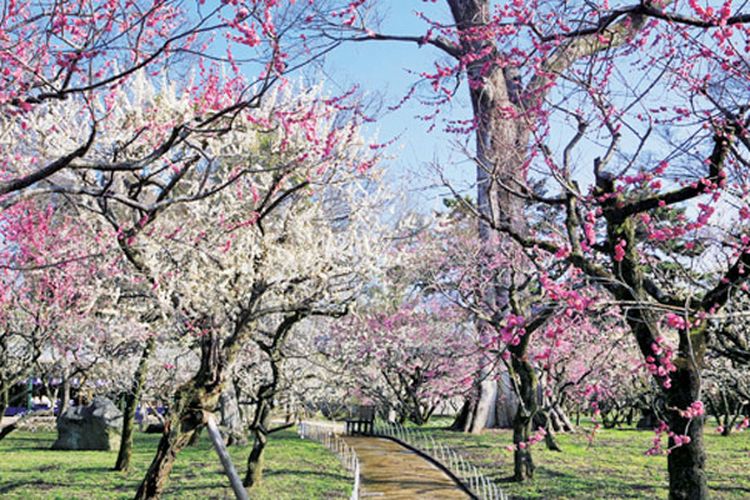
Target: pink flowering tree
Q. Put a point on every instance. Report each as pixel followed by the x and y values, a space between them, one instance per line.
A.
pixel 410 358
pixel 727 381
pixel 588 362
pixel 49 286
pixel 489 46
pixel 61 52
pixel 468 274
pixel 548 96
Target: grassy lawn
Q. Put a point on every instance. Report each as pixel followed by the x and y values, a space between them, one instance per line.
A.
pixel 295 469
pixel 613 467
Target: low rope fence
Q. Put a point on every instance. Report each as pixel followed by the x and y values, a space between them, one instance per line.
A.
pixel 326 436
pixel 467 474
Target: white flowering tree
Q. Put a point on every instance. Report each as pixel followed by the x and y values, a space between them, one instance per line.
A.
pixel 233 234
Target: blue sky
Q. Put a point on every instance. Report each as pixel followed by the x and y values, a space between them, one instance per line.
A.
pixel 386 70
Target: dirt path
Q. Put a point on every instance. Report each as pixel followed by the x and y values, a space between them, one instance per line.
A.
pixel 391 471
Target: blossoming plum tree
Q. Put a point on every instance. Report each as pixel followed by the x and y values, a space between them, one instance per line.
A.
pixel 532 68
pixel 53 51
pixel 48 289
pixel 412 359
pixel 264 219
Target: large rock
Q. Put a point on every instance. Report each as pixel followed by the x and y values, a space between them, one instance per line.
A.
pixel 93 427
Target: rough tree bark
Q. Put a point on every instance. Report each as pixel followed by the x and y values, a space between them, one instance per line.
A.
pixel 259 430
pixel 186 415
pixel 264 400
pixel 500 152
pixel 523 464
pixel 131 403
pixel 686 463
pixel 231 418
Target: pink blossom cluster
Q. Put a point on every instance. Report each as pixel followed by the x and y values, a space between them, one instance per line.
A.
pixel 696 409
pixel 535 438
pixel 513 329
pixel 740 426
pixel 660 364
pixel 656 448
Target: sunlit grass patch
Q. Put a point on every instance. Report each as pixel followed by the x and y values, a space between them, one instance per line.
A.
pixel 295 469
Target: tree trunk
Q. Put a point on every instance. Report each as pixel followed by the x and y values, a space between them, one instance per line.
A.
pixel 255 460
pixel 506 401
pixel 686 463
pixel 231 419
pixel 501 150
pixel 131 402
pixel 546 421
pixel 175 438
pixel 462 421
pixel 3 398
pixel 478 407
pixel 186 416
pixel 523 465
pixel 195 438
pixel 550 442
pixel 64 395
pixel 484 407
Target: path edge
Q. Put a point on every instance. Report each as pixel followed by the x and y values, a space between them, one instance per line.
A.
pixel 434 461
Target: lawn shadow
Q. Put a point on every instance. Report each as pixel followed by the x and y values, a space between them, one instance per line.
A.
pixel 505 480
pixel 329 475
pixel 97 469
pixel 730 489
pixel 12 486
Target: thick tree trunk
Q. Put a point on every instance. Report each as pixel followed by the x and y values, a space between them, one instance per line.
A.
pixel 231 419
pixel 506 401
pixel 463 418
pixel 131 403
pixel 176 436
pixel 186 416
pixel 478 410
pixel 484 407
pixel 686 463
pixel 523 465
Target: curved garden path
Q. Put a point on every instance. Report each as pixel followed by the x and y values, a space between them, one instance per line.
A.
pixel 391 471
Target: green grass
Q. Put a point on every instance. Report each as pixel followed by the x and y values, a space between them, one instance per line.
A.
pixel 615 466
pixel 295 469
